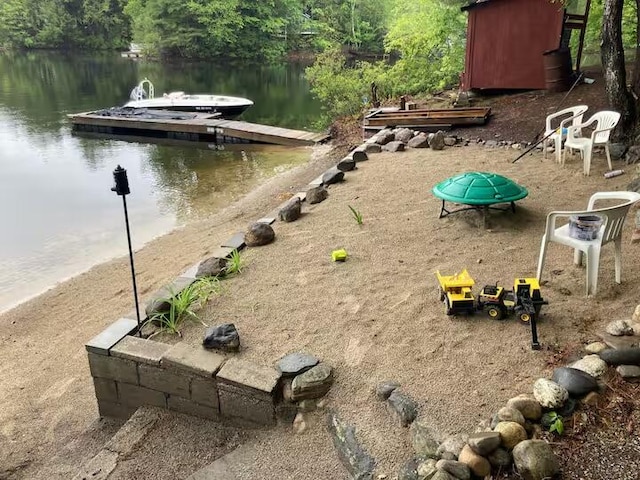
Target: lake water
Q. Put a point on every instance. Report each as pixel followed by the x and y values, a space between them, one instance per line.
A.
pixel 57 212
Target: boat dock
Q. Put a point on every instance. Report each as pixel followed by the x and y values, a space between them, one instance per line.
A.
pixel 191 127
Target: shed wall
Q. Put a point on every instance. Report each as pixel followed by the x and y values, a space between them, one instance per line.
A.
pixel 505 43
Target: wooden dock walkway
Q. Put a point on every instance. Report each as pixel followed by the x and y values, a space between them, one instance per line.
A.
pixel 194 127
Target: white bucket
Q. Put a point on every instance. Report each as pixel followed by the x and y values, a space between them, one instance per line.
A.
pixel 584 227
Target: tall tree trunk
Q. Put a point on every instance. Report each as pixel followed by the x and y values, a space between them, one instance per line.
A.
pixel 615 78
pixel 635 79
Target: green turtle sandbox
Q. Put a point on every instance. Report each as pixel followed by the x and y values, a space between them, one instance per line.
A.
pixel 479 191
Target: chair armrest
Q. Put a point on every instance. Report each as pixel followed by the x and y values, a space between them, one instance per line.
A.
pixel 553 216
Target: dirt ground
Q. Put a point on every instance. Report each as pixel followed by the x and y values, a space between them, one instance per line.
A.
pixel 374 317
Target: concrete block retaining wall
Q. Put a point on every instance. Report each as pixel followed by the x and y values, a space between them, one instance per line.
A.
pixel 129 372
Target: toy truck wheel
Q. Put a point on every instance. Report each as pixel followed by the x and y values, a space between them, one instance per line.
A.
pixel 447 307
pixel 524 318
pixel 493 312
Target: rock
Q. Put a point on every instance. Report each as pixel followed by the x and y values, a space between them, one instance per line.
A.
pixel 437 141
pixel 527 405
pixel 409 470
pixel 591 364
pixel 424 439
pixel 591 399
pixel 617 150
pixel 618 328
pixel 314 383
pixel 516 146
pixel 500 458
pixel 402 407
pixel 577 382
pixel 291 211
pixel 629 372
pixel 212 267
pixel 372 148
pixel 385 136
pixel 511 433
pixel 633 155
pixel 458 469
pixel 403 135
pixel 427 469
pixel 479 465
pixel 568 408
pixel 453 445
pixel 448 456
pixel 485 442
pixel 346 164
pixel 286 389
pixel 535 460
pixel 295 364
pixel 595 347
pixel 259 234
pixel 450 141
pixel 443 475
pixel 222 337
pixel 636 313
pixel 621 356
pixel 491 144
pixel 317 195
pixel 331 176
pixel 419 141
pixel 384 389
pixel 549 394
pixel 359 154
pixel 394 147
pixel 299 423
pixel 636 325
pixel 509 414
pixel 358 463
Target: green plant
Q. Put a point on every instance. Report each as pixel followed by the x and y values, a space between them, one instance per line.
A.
pixel 356 215
pixel 234 264
pixel 554 422
pixel 182 305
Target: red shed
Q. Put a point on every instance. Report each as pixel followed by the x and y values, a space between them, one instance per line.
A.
pixel 506 40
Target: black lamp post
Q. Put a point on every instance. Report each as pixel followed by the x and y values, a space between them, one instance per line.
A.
pixel 121 187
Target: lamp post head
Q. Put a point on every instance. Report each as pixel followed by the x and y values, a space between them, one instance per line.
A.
pixel 121 186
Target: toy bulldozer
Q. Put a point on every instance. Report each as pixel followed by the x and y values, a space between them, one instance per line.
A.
pixel 525 300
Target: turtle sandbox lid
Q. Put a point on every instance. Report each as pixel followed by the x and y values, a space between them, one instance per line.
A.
pixel 479 188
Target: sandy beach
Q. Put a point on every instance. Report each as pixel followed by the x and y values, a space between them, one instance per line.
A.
pixel 375 317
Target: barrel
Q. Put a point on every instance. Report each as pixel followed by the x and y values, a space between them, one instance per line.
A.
pixel 557 69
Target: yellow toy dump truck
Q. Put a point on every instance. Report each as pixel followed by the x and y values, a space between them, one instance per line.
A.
pixel 524 300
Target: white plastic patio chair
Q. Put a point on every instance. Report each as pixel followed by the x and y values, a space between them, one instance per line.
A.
pixel 610 231
pixel 605 122
pixel 557 134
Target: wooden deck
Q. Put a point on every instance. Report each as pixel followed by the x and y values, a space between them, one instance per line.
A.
pixel 430 119
pixel 199 127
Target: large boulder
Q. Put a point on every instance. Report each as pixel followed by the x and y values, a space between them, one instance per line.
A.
pixel 222 337
pixel 402 407
pixel 549 393
pixel 424 440
pixel 458 469
pixel 403 135
pixel 419 141
pixel 577 382
pixel 535 460
pixel 619 328
pixel 483 443
pixel 591 364
pixel 479 465
pixel 394 147
pixel 509 414
pixel 259 234
pixel 313 383
pixel 346 164
pixel 212 267
pixel 331 176
pixel 436 142
pixel 355 459
pixel 621 356
pixel 317 195
pixel 527 405
pixel 291 211
pixel 511 433
pixel 295 364
pixel 385 136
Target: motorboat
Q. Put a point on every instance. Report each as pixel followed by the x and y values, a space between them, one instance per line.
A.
pixel 143 96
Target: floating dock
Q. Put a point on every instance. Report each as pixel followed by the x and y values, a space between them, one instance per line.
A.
pixel 427 120
pixel 190 127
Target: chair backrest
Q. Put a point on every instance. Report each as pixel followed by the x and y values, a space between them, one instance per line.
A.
pixel 606 120
pixel 614 216
pixel 577 112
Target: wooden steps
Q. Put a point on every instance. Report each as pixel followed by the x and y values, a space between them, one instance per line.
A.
pixel 452 117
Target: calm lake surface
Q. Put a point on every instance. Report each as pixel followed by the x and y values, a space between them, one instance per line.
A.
pixel 58 214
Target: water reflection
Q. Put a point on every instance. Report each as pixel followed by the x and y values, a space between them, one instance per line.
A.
pixel 58 214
